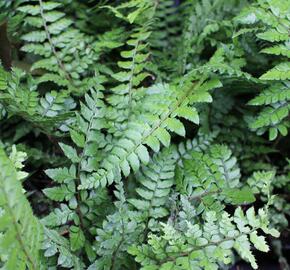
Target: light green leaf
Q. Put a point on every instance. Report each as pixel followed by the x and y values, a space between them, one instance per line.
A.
pixel 60 193
pixel 78 138
pixel 143 154
pixel 163 136
pixel 61 175
pixel 134 162
pixel 77 238
pixel 259 242
pixel 70 152
pixel 188 113
pixel 175 125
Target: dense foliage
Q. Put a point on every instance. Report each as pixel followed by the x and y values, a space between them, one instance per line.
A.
pixel 143 134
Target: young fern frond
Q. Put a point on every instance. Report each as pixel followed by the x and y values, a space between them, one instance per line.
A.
pixel 88 138
pixel 133 64
pixel 21 232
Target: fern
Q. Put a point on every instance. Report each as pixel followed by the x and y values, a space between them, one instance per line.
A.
pixel 200 143
pixel 118 232
pixel 156 180
pixel 130 77
pixel 54 244
pixel 166 23
pixel 206 247
pixel 208 179
pixel 21 232
pixel 65 51
pixel 275 99
pixel 138 131
pixel 130 151
pixel 49 112
pixel 17 158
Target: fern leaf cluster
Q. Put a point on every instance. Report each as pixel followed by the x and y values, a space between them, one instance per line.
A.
pixel 65 52
pixel 144 134
pixel 204 248
pixel 273 28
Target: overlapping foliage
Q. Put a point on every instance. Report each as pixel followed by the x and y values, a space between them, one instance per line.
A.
pixel 138 131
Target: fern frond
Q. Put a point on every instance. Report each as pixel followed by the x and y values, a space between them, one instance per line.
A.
pixel 55 244
pixel 198 29
pixel 166 24
pixel 133 160
pixel 48 112
pixel 156 180
pixel 208 179
pixel 17 158
pixel 130 78
pixel 66 55
pixel 274 26
pixel 206 246
pixel 119 230
pixel 21 232
pixel 200 143
pixel 150 129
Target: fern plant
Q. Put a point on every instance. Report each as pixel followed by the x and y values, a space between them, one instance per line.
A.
pixel 49 112
pixel 204 248
pixel 127 139
pixel 270 24
pixel 21 231
pixel 66 55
